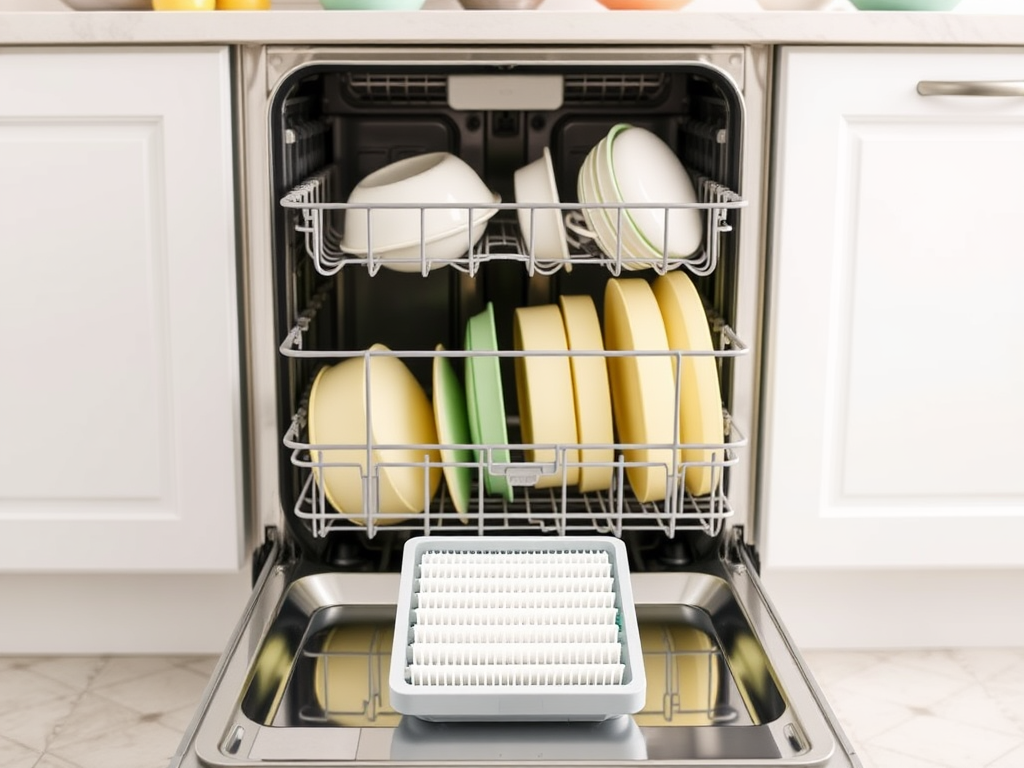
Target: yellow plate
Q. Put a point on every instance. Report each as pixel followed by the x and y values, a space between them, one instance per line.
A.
pixel 700 397
pixel 643 389
pixel 401 414
pixel 547 413
pixel 350 677
pixel 592 392
pixel 682 675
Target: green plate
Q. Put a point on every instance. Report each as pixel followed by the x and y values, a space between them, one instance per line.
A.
pixel 485 398
pixel 452 420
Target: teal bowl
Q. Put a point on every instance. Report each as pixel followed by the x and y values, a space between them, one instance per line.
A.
pixel 905 5
pixel 372 5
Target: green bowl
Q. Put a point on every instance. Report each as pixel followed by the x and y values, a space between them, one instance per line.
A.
pixel 905 5
pixel 372 5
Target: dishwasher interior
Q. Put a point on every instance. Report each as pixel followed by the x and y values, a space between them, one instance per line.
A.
pixel 306 677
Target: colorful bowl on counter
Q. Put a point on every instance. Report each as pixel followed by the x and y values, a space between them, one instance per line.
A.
pixel 184 5
pixel 372 5
pixel 905 5
pixel 110 5
pixel 644 5
pixel 794 5
pixel 500 5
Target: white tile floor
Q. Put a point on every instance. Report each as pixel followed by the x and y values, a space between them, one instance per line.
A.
pixel 905 709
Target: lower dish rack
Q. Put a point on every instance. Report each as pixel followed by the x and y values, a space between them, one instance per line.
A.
pixel 557 508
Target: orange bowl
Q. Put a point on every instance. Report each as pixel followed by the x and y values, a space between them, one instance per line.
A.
pixel 644 5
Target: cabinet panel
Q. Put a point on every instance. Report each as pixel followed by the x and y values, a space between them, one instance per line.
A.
pixel 121 395
pixel 895 367
pixel 106 415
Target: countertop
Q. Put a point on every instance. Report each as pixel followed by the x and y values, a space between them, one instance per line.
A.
pixel 445 26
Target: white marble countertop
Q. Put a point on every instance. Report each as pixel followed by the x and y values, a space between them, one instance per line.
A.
pixel 557 21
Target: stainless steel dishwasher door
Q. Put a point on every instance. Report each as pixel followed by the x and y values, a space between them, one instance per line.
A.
pixel 766 709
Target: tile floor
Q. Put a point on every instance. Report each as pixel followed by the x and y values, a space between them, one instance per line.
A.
pixel 929 709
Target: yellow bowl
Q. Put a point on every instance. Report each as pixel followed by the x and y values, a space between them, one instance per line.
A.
pixel 682 676
pixel 700 397
pixel 643 388
pixel 547 413
pixel 350 677
pixel 243 5
pixel 591 390
pixel 400 413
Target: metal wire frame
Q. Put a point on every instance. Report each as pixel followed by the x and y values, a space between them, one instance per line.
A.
pixel 320 214
pixel 559 509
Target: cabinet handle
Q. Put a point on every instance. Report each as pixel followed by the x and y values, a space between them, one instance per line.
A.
pixel 971 87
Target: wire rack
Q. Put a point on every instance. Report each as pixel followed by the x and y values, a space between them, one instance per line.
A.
pixel 320 217
pixel 556 508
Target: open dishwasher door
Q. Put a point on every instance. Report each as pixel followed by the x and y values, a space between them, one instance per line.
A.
pixel 304 680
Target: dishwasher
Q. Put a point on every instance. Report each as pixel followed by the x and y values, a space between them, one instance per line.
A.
pixel 305 677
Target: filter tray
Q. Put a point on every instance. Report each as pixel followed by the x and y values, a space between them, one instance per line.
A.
pixel 516 629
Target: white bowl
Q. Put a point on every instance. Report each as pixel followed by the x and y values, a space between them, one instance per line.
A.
pixel 646 170
pixel 794 5
pixel 433 178
pixel 542 228
pixel 445 249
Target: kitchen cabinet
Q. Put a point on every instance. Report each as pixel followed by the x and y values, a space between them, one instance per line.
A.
pixel 120 445
pixel 894 368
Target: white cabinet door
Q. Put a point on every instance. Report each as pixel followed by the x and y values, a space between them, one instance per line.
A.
pixel 119 392
pixel 895 371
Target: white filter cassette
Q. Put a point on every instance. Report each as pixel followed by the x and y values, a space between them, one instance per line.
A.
pixel 516 629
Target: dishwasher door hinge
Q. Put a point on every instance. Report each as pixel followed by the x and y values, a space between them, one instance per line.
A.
pixel 262 552
pixel 737 545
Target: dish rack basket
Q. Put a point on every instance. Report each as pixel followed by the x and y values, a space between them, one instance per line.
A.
pixel 560 509
pixel 318 216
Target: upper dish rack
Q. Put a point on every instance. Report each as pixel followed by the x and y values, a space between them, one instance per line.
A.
pixel 318 221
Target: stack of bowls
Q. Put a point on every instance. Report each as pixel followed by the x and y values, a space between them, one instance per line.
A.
pixel 631 166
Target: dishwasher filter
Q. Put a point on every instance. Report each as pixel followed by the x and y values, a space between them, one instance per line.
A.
pixel 516 628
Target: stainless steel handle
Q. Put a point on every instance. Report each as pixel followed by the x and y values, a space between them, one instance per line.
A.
pixel 971 87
